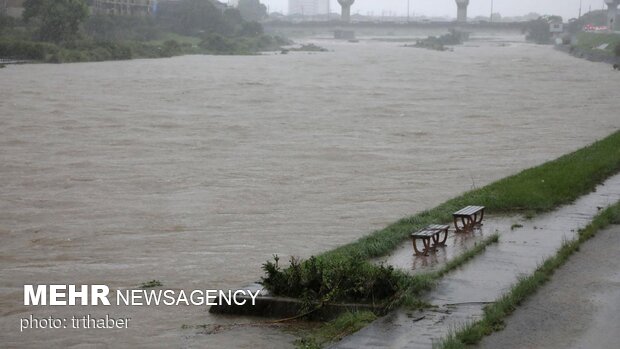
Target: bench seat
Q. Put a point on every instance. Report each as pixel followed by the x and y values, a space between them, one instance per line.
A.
pixel 431 238
pixel 469 217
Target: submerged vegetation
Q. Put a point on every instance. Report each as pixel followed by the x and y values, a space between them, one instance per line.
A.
pixel 151 284
pixel 494 314
pixel 454 37
pixel 64 31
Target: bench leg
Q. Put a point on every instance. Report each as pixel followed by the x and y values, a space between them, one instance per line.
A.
pixel 456 225
pixel 417 252
pixel 467 225
pixel 481 218
pixel 442 242
pixel 427 245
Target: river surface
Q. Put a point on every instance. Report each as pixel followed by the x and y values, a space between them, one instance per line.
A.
pixel 195 170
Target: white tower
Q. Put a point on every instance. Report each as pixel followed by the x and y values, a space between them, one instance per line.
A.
pixel 612 13
pixel 461 14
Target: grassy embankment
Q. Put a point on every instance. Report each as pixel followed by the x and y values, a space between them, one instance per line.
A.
pixel 332 275
pixel 588 44
pixel 173 45
pixel 538 189
pixel 494 314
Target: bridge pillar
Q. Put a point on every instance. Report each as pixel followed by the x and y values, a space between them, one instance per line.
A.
pixel 612 14
pixel 461 14
pixel 346 9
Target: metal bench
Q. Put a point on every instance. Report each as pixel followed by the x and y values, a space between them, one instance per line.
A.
pixel 431 238
pixel 469 217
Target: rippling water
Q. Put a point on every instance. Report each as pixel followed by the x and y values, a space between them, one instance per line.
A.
pixel 194 170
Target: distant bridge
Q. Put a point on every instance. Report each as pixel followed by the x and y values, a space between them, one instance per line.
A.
pixel 461 5
pixel 383 25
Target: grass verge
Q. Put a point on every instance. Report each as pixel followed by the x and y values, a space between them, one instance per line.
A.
pixel 537 189
pixel 494 315
pixel 591 41
pixel 336 329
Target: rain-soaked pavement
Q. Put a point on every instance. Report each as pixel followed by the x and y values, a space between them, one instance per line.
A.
pixel 461 295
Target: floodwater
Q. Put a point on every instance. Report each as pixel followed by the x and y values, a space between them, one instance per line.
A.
pixel 195 170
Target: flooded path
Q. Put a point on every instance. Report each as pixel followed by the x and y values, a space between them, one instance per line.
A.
pixel 195 170
pixel 579 308
pixel 461 295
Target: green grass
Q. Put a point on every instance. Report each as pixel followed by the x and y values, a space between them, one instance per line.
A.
pixel 590 41
pixel 516 226
pixel 336 329
pixel 151 284
pixel 494 315
pixel 538 189
pixel 467 255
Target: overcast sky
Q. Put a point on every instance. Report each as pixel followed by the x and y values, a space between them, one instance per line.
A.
pixel 564 8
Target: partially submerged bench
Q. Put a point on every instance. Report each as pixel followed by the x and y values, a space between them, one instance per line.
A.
pixel 431 238
pixel 469 217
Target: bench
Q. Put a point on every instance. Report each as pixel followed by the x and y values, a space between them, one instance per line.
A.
pixel 431 238
pixel 469 217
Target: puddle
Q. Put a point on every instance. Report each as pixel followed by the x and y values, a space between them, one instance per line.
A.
pixel 461 295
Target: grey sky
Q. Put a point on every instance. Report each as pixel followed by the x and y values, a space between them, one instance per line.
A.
pixel 565 8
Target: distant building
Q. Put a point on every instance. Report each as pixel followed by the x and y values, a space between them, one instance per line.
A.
pixel 137 7
pixel 125 7
pixel 12 8
pixel 308 7
pixel 556 28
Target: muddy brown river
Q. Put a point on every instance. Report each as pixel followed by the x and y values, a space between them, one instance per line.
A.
pixel 195 170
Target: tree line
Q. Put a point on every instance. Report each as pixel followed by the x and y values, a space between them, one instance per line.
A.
pixel 60 21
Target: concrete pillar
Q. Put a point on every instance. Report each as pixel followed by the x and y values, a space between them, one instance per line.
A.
pixel 612 13
pixel 461 14
pixel 346 9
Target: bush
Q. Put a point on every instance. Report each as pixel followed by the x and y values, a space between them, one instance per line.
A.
pixel 332 280
pixel 218 44
pixel 171 48
pixel 538 31
pixel 251 29
pixel 25 50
